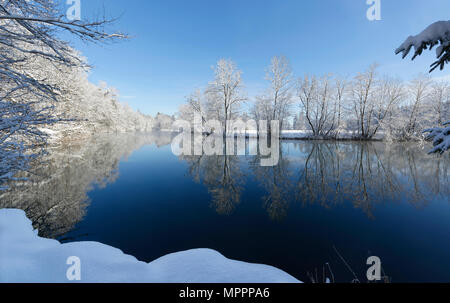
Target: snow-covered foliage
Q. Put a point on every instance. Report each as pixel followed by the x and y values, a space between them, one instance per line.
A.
pixel 26 257
pixel 163 122
pixel 222 98
pixel 367 106
pixel 440 137
pixel 44 81
pixel 19 132
pixel 226 90
pixel 437 33
pixel 96 108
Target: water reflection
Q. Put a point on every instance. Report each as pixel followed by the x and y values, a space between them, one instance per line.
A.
pixel 309 172
pixel 277 183
pixel 337 172
pixel 369 173
pixel 327 174
pixel 223 178
pixel 55 195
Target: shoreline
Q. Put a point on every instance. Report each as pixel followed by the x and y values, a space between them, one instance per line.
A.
pixel 55 139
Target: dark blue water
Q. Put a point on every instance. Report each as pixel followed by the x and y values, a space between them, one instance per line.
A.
pixel 364 199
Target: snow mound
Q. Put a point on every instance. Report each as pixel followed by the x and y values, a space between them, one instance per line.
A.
pixel 25 257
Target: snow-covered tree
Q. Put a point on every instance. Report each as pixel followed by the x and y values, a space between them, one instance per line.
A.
pixel 227 89
pixel 391 92
pixel 440 137
pixel 28 33
pixel 373 100
pixel 276 102
pixel 437 33
pixel 196 105
pixel 319 105
pixel 340 93
pixel 295 122
pixel 363 101
pixel 439 100
pixel 163 122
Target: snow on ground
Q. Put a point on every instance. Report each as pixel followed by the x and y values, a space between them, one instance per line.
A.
pixel 25 257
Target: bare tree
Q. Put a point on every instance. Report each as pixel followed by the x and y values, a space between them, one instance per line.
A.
pixel 439 97
pixel 195 105
pixel 390 93
pixel 419 92
pixel 278 98
pixel 340 92
pixel 227 89
pixel 307 93
pixel 318 104
pixel 363 101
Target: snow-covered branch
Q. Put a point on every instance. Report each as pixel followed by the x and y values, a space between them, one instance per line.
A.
pixel 437 33
pixel 440 137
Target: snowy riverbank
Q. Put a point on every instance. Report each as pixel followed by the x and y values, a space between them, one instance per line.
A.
pixel 291 135
pixel 26 257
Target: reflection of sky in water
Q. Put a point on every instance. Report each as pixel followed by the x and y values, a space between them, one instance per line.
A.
pixel 161 204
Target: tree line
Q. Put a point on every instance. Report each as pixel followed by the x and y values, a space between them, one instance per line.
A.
pixel 45 91
pixel 365 106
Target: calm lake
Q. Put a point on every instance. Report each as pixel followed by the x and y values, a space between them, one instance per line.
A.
pixel 361 199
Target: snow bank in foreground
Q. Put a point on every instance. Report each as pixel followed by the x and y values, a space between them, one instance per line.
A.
pixel 25 257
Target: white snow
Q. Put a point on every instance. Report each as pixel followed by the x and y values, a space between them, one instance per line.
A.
pixel 25 257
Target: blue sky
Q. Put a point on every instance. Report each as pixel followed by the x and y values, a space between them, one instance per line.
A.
pixel 175 43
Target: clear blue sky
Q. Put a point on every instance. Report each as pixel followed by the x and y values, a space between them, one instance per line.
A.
pixel 175 43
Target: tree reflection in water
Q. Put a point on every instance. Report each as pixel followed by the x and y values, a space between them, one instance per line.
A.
pixel 277 182
pixel 223 178
pixel 368 173
pixel 328 173
pixel 55 195
pixel 309 172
